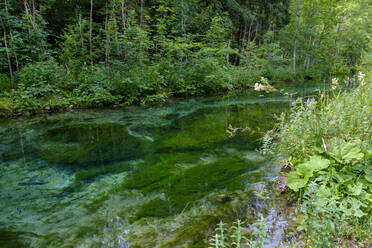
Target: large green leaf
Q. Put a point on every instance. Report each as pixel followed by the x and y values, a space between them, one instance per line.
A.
pixel 351 207
pixel 298 178
pixel 368 175
pixel 344 151
pixel 317 163
pixel 355 189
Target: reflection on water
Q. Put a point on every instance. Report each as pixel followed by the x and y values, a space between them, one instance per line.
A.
pixel 159 176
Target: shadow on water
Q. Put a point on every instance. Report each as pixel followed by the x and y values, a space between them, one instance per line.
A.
pixel 157 176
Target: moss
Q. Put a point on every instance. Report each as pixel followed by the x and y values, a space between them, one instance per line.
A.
pixel 186 185
pixel 154 208
pixel 198 181
pixel 192 233
pixel 207 127
pixel 87 143
pixel 88 175
pixel 5 104
pixel 12 239
pixel 155 170
pixel 95 204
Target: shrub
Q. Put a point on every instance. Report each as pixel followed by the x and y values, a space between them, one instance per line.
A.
pixel 45 73
pixel 4 82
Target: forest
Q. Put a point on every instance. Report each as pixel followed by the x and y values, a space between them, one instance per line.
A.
pixel 61 56
pixel 57 55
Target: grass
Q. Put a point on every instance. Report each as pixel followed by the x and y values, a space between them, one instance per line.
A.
pixel 333 135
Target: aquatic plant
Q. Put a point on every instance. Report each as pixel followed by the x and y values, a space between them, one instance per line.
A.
pixel 237 236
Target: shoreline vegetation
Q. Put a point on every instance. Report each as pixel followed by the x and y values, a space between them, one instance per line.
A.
pixel 60 55
pixel 120 52
pixel 327 168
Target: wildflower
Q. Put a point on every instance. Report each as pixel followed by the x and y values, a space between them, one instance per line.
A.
pixel 361 78
pixel 258 87
pixel 335 83
pixel 310 102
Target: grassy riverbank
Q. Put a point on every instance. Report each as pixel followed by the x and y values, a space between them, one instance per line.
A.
pixel 328 165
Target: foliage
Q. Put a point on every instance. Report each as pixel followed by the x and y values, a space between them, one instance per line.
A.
pixel 144 53
pixel 328 142
pixel 237 236
pixel 42 74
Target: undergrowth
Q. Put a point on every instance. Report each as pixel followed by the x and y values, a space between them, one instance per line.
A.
pixel 239 236
pixel 328 167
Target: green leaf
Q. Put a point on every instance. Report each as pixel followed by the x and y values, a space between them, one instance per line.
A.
pixel 317 163
pixel 346 152
pixel 351 207
pixel 298 178
pixel 368 175
pixel 296 181
pixel 355 189
pixel 325 192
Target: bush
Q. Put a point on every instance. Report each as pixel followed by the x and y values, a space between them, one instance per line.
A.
pixel 4 82
pixel 45 72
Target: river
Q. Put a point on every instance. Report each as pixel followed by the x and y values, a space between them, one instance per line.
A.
pixel 143 176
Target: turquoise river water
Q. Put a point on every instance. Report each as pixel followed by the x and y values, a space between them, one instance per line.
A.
pixel 155 176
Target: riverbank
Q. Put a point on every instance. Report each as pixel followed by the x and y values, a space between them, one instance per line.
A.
pixel 29 101
pixel 328 165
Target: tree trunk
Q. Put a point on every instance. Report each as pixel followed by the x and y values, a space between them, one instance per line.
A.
pixel 33 11
pixel 6 10
pixel 296 34
pixel 27 15
pixel 307 59
pixel 250 30
pixel 141 15
pixel 90 29
pixel 123 14
pixel 228 53
pixel 11 33
pixel 9 61
pixel 40 9
pixel 80 31
pixel 107 50
pixel 183 23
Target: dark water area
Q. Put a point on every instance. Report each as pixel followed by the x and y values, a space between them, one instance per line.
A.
pixel 155 176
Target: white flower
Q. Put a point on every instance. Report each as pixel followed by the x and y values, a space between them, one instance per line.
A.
pixel 361 76
pixel 335 83
pixel 258 87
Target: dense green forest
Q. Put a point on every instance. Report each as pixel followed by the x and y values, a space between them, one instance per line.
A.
pixel 65 54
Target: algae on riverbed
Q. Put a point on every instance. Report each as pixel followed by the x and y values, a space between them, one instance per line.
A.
pixel 156 176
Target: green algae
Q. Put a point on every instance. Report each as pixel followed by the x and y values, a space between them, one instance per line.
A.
pixel 84 144
pixel 149 175
pixel 77 170
pixel 181 189
pixel 157 207
pixel 88 175
pixel 14 239
pixel 210 125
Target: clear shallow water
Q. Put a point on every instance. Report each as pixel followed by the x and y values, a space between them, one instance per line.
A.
pixel 159 176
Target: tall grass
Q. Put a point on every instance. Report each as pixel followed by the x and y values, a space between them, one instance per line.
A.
pixel 328 147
